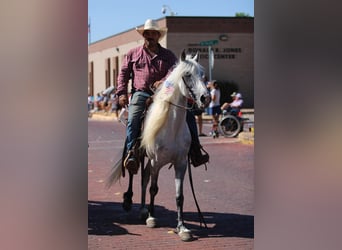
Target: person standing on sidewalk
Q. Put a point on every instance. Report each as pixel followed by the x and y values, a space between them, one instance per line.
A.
pixel 148 66
pixel 198 113
pixel 214 106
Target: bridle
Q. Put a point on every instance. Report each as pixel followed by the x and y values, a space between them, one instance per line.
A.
pixel 192 95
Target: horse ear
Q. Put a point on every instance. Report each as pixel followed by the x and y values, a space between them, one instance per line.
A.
pixel 196 57
pixel 183 55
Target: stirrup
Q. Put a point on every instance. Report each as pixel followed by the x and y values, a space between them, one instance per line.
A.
pixel 199 159
pixel 131 163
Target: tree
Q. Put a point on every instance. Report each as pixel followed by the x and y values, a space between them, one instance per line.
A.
pixel 241 14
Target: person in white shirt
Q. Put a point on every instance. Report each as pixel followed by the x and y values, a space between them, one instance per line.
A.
pixel 214 105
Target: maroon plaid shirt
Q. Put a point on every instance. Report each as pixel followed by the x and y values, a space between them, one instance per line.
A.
pixel 144 70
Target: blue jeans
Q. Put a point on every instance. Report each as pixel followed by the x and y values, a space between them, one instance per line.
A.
pixel 135 110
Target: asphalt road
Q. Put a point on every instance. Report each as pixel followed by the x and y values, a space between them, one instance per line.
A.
pixel 225 193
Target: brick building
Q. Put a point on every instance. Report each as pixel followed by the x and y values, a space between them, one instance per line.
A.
pixel 230 38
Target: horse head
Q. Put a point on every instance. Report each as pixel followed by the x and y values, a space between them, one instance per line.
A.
pixel 193 80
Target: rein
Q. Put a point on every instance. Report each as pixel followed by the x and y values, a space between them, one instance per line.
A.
pixel 192 95
pixel 180 106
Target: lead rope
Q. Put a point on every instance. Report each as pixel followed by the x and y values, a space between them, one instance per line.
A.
pixel 200 215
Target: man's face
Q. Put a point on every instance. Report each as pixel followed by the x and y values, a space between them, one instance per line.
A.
pixel 151 37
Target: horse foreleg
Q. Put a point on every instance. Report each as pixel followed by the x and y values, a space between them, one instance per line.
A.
pixel 127 197
pixel 151 221
pixel 183 232
pixel 145 178
pixel 179 202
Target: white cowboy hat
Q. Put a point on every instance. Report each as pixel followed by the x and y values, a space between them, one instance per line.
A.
pixel 238 95
pixel 152 25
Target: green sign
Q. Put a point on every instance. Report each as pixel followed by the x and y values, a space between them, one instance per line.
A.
pixel 209 43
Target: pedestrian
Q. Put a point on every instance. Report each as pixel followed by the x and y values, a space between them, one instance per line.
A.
pixel 199 112
pixel 90 102
pixel 114 100
pixel 97 103
pixel 148 66
pixel 214 106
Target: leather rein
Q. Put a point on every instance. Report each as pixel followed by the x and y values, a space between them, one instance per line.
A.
pixel 192 95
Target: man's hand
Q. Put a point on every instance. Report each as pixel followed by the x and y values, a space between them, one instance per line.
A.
pixel 123 100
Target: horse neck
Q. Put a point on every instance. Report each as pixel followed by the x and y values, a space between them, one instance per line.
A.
pixel 178 106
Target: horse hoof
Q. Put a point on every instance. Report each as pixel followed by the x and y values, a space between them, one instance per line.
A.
pixel 144 214
pixel 127 201
pixel 151 222
pixel 185 235
pixel 127 206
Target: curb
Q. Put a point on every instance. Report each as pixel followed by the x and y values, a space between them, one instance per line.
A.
pixel 102 116
pixel 246 137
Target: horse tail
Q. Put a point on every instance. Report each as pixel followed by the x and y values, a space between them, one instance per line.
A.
pixel 154 121
pixel 114 174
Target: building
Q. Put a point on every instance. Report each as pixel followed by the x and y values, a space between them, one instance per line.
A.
pixel 231 40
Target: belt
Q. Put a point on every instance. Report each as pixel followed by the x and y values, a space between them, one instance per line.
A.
pixel 149 92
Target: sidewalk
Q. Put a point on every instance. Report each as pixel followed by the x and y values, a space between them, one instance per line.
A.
pixel 246 136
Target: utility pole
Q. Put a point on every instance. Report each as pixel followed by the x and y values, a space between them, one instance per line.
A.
pixel 210 54
pixel 89 31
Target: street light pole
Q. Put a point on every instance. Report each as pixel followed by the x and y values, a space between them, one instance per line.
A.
pixel 166 7
pixel 209 55
pixel 211 61
pixel 89 31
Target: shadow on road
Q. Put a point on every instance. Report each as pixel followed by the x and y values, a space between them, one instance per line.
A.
pixel 221 225
pixel 105 218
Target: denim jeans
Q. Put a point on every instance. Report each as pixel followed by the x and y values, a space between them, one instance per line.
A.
pixel 135 110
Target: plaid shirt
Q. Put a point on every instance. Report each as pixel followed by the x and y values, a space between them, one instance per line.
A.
pixel 145 70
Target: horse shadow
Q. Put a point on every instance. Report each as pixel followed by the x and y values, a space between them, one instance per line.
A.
pixel 221 225
pixel 105 218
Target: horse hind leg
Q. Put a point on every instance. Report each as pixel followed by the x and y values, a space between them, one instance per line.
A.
pixel 145 178
pixel 127 197
pixel 151 221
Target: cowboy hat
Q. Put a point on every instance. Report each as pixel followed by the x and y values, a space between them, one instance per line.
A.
pixel 238 95
pixel 152 25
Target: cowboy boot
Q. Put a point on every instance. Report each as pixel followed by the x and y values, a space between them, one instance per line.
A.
pixel 196 156
pixel 131 162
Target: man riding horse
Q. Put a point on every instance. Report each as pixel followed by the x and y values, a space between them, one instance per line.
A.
pixel 148 66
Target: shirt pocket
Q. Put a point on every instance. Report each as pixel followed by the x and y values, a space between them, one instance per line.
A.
pixel 140 64
pixel 161 66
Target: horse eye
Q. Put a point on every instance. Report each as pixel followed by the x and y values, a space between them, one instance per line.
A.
pixel 187 74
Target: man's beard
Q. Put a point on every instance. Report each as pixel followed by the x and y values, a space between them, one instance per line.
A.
pixel 151 42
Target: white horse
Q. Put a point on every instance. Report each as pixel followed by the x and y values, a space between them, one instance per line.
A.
pixel 166 137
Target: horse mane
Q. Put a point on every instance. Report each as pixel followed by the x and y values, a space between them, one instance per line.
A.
pixel 159 110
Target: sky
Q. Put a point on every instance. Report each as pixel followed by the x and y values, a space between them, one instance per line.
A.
pixel 110 17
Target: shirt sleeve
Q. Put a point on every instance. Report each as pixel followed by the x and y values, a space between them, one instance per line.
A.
pixel 124 75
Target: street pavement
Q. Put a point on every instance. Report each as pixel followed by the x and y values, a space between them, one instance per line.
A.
pixel 225 194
